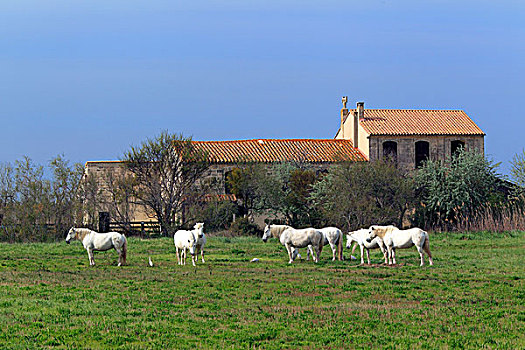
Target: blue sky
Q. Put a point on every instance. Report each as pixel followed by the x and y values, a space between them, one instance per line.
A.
pixel 87 79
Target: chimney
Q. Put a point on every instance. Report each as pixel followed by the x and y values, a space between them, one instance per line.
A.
pixel 344 113
pixel 355 139
pixel 361 110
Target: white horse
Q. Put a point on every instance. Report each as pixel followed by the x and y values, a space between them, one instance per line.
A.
pixel 395 238
pixel 334 237
pixel 307 237
pixel 201 241
pixel 360 237
pixel 187 240
pixel 275 232
pixel 100 241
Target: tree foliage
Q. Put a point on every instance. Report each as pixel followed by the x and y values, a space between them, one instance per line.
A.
pixel 518 168
pixel 455 189
pixel 165 170
pixel 36 207
pixel 356 195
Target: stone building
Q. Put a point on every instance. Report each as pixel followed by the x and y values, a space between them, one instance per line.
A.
pixel 318 154
pixel 224 156
pixel 409 136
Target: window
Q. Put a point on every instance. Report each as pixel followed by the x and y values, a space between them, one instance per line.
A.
pixel 455 146
pixel 103 221
pixel 390 151
pixel 422 152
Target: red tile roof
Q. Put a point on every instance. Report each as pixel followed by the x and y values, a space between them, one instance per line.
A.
pixel 271 150
pixel 417 122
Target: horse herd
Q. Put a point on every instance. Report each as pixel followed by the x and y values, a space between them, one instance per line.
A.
pixel 385 238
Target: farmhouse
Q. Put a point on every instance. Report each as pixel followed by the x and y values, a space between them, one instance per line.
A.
pixel 407 137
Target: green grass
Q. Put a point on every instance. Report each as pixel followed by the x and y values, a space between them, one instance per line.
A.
pixel 473 297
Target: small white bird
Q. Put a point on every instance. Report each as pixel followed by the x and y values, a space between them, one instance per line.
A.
pixel 352 257
pixel 255 260
pixel 150 262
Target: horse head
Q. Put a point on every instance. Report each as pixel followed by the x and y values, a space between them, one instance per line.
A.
pixel 72 234
pixel 371 234
pixel 267 233
pixel 198 228
pixel 349 239
pixel 192 242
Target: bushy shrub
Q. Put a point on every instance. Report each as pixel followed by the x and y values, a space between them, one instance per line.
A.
pixel 356 195
pixel 217 215
pixel 455 189
pixel 243 226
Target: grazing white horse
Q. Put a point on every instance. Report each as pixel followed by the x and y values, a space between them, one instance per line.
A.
pixel 334 237
pixel 395 238
pixel 187 240
pixel 360 237
pixel 100 241
pixel 201 241
pixel 307 237
pixel 275 232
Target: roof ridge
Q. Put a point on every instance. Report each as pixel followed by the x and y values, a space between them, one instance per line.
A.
pixel 409 109
pixel 263 139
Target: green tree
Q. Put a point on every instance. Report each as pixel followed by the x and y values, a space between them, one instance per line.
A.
pixel 285 190
pixel 454 189
pixel 518 168
pixel 165 170
pixel 65 196
pixel 356 195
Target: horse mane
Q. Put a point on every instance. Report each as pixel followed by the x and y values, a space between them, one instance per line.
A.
pixel 277 230
pixel 381 231
pixel 82 232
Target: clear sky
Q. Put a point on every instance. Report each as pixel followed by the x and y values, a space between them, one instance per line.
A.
pixel 89 78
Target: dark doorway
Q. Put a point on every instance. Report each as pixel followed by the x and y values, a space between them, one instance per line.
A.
pixel 422 153
pixel 103 221
pixel 390 151
pixel 455 146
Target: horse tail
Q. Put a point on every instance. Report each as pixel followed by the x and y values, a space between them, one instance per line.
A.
pixel 340 246
pixel 124 249
pixel 426 246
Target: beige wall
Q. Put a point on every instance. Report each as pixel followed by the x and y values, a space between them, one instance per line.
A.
pixel 101 171
pixel 347 130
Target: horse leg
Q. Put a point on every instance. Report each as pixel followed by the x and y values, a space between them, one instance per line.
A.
pixel 119 252
pixel 91 257
pixel 389 252
pixel 421 254
pixel 383 250
pixel 333 250
pixel 315 257
pixel 394 255
pixel 362 255
pixel 368 255
pixel 202 254
pixel 426 248
pixel 290 254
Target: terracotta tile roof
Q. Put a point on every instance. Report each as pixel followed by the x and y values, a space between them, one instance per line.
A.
pixel 272 150
pixel 417 122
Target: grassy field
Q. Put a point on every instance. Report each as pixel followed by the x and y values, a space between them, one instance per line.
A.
pixel 473 297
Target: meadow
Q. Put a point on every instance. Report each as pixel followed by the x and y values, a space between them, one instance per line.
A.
pixel 473 297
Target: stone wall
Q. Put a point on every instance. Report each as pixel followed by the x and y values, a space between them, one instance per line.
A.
pixel 440 147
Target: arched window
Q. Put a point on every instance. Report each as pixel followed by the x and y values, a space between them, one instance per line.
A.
pixel 390 151
pixel 455 146
pixel 422 152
